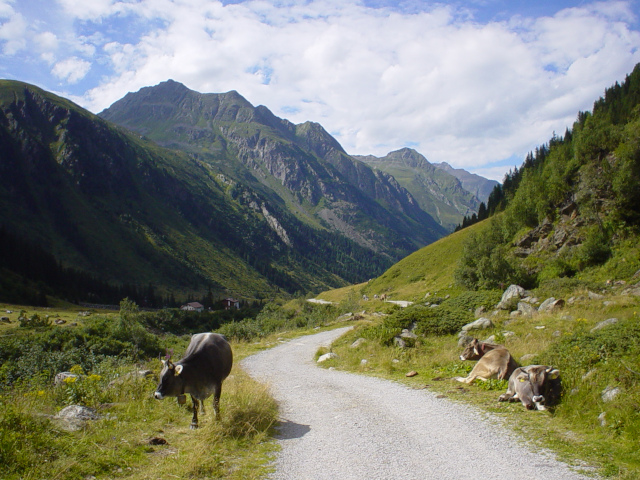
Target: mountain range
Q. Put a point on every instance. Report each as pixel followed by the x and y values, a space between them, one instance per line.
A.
pixel 186 191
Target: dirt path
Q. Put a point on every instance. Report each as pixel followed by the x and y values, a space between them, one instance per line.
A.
pixel 341 426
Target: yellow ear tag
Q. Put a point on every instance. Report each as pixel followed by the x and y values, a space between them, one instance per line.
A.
pixel 522 380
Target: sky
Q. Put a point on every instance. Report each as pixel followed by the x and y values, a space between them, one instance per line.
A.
pixel 476 84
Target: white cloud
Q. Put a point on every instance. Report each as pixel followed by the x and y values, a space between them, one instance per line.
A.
pixel 13 31
pixel 463 92
pixel 71 70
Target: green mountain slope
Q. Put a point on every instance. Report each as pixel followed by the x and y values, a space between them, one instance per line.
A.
pixel 301 167
pixel 110 203
pixel 438 192
pixel 479 186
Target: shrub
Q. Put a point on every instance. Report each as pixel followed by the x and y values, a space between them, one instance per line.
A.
pixel 471 300
pixel 442 320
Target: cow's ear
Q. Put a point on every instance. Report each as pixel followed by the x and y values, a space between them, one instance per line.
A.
pixel 179 369
pixel 522 378
pixel 553 373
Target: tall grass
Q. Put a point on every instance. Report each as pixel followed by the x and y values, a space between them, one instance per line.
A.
pixel 34 445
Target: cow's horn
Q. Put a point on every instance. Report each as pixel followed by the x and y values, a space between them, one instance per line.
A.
pixel 178 369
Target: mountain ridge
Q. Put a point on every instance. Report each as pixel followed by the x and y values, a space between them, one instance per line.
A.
pixel 301 166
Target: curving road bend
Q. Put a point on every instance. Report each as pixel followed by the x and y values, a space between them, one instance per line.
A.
pixel 338 425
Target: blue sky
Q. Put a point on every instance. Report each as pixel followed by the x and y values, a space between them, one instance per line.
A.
pixel 476 84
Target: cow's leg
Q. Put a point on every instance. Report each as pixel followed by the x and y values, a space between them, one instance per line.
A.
pixel 194 420
pixel 216 399
pixel 508 396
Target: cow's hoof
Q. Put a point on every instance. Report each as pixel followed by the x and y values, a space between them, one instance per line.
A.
pixel 193 426
pixel 503 398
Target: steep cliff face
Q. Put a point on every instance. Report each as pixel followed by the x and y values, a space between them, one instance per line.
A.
pixel 301 165
pixel 437 192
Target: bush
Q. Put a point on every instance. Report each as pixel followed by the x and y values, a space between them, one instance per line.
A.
pixel 442 320
pixel 471 300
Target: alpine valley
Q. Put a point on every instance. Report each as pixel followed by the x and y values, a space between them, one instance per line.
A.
pixel 184 192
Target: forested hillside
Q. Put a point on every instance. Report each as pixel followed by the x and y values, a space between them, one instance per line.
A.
pixel 572 203
pixel 98 203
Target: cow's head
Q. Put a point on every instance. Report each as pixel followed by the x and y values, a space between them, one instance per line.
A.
pixel 472 351
pixel 171 384
pixel 539 379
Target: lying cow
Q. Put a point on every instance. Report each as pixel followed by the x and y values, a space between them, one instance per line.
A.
pixel 536 386
pixel 206 363
pixel 494 361
pixel 475 349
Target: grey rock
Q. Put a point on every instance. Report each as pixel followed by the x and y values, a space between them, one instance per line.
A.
pixel 602 419
pixel 605 323
pixel 75 417
pixel 358 342
pixel 464 339
pixel 526 309
pixel 327 356
pixel 479 324
pixel 550 305
pixel 610 393
pixel 595 296
pixel 525 358
pixel 514 291
pixel 399 342
pixel 408 334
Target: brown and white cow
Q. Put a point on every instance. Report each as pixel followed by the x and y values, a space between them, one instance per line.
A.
pixel 536 386
pixel 206 363
pixel 475 349
pixel 494 361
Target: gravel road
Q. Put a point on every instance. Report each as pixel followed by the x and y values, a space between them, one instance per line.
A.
pixel 341 426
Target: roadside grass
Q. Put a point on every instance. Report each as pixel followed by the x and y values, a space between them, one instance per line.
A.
pixel 128 440
pixel 595 436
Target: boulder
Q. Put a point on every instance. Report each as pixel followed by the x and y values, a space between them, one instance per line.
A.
pixel 526 309
pixel 514 291
pixel 408 334
pixel 479 324
pixel 610 393
pixel 75 417
pixel 550 305
pixel 5 320
pixel 464 339
pixel 358 342
pixel 604 323
pixel 327 356
pixel 595 296
pixel 399 342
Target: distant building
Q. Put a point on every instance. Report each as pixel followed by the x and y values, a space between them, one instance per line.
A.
pixel 193 307
pixel 229 303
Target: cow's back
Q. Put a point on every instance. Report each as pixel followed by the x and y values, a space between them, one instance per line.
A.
pixel 211 353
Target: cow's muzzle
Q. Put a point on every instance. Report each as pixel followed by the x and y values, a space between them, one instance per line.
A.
pixel 158 396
